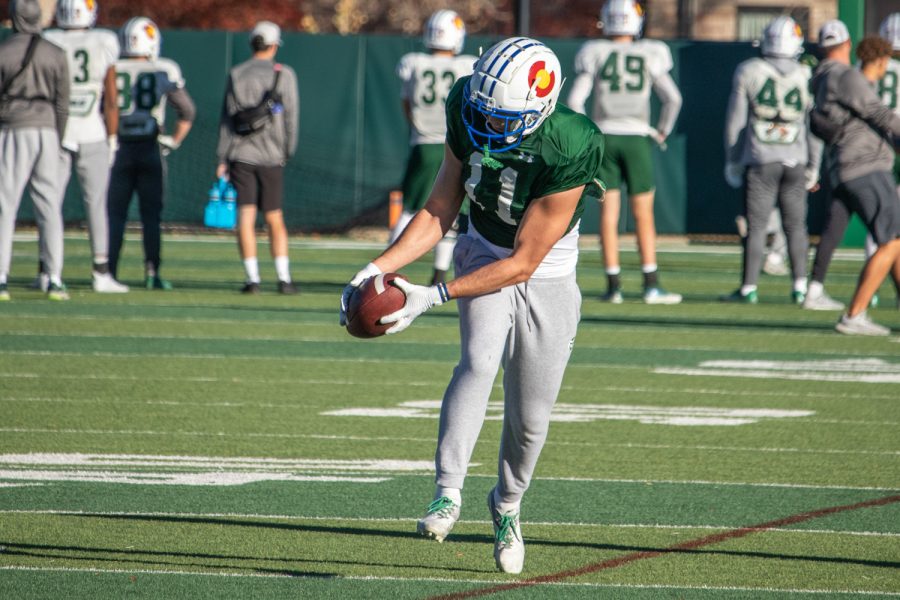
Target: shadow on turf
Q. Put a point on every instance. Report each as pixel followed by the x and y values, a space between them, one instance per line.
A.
pixel 463 538
pixel 709 323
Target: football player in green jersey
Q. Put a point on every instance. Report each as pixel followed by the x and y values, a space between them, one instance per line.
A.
pixel 526 164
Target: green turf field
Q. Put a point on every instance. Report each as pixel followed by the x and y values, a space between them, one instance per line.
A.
pixel 203 444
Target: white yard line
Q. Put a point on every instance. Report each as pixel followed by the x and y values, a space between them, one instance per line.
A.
pixel 488 582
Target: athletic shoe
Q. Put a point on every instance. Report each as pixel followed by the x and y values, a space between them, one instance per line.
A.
pixel 104 283
pixel 251 287
pixel 439 519
pixel 57 293
pixel 775 266
pixel 861 324
pixel 4 292
pixel 822 301
pixel 613 296
pixel 509 549
pixel 737 297
pixel 657 295
pixel 41 282
pixel 798 297
pixel 287 288
pixel 155 282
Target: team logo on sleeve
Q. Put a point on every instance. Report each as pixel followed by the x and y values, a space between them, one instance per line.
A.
pixel 540 79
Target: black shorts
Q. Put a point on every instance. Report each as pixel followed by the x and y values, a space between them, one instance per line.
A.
pixel 262 187
pixel 874 198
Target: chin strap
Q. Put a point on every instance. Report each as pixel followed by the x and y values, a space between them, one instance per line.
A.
pixel 488 162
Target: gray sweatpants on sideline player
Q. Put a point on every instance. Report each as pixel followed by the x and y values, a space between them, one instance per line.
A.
pixel 766 186
pixel 529 328
pixel 31 157
pixel 92 167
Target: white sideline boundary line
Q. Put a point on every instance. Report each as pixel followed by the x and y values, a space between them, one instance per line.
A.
pixel 556 584
pixel 90 513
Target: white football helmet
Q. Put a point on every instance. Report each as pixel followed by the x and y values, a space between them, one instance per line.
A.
pixel 445 30
pixel 782 38
pixel 890 30
pixel 622 17
pixel 140 37
pixel 514 87
pixel 76 14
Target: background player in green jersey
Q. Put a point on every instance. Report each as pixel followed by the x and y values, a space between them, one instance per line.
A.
pixel 526 165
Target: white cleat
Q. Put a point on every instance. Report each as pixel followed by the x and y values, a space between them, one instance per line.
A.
pixel 657 295
pixel 105 284
pixel 509 549
pixel 441 516
pixel 775 265
pixel 861 324
pixel 821 301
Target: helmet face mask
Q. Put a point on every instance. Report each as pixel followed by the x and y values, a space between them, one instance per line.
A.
pixel 76 14
pixel 445 30
pixel 890 30
pixel 782 38
pixel 622 17
pixel 140 38
pixel 514 87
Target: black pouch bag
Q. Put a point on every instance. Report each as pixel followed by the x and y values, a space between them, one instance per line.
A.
pixel 250 120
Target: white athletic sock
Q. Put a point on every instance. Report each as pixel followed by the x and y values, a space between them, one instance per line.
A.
pixel 746 289
pixel 3 277
pixel 648 268
pixel 251 267
pixel 800 285
pixel 443 253
pixel 283 268
pixel 454 494
pixel 505 507
pixel 613 270
pixel 816 288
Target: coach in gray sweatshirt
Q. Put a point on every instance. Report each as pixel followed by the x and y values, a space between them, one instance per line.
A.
pixel 257 138
pixel 34 107
pixel 862 134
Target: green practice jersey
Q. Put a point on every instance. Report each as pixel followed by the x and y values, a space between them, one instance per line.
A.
pixel 564 153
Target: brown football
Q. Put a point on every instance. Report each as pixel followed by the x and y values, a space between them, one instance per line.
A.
pixel 375 298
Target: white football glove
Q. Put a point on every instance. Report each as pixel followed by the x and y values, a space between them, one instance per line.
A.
pixel 734 175
pixel 419 298
pixel 112 143
pixel 168 144
pixel 370 270
pixel 812 178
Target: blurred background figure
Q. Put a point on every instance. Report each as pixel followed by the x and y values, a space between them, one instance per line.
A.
pixel 146 82
pixel 34 107
pixel 90 139
pixel 257 138
pixel 770 152
pixel 621 70
pixel 427 78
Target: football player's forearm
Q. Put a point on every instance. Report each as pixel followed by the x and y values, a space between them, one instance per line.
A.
pixel 581 89
pixel 670 99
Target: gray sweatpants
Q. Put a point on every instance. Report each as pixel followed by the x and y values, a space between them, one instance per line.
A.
pixel 92 167
pixel 529 329
pixel 768 186
pixel 31 157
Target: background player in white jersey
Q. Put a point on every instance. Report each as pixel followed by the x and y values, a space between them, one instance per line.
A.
pixel 427 78
pixel 889 90
pixel 90 136
pixel 770 151
pixel 621 70
pixel 145 83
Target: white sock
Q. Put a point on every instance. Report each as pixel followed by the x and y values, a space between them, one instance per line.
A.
pixel 800 285
pixel 746 289
pixel 283 268
pixel 3 277
pixel 505 507
pixel 613 270
pixel 648 268
pixel 454 494
pixel 443 253
pixel 251 267
pixel 816 288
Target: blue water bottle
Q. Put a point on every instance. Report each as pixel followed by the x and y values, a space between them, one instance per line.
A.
pixel 212 210
pixel 229 207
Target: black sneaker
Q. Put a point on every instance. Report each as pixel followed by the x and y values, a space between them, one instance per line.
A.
pixel 251 287
pixel 287 288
